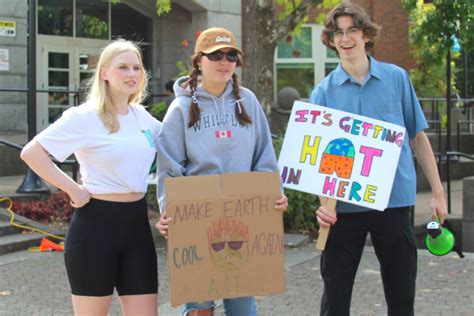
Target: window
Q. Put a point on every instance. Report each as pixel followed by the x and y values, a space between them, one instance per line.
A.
pixel 128 23
pixel 87 63
pixel 296 45
pixel 328 67
pixel 92 19
pixel 58 79
pixel 298 76
pixel 55 17
pixel 302 61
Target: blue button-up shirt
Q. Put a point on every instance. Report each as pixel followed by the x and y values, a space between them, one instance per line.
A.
pixel 386 94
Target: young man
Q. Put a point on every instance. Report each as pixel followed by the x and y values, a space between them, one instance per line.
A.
pixel 362 85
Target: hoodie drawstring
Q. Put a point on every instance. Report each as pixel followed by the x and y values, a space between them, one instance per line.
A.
pixel 193 97
pixel 238 105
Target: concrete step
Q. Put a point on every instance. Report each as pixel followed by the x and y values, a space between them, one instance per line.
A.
pixel 458 170
pixel 7 229
pixel 11 238
pixel 18 242
pixel 462 144
pixel 296 240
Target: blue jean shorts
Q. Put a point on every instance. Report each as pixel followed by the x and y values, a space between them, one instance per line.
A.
pixel 241 306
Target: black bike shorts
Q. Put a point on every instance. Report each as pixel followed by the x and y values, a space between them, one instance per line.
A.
pixel 109 244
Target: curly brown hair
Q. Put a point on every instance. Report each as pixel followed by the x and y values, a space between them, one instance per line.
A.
pixel 361 21
pixel 192 82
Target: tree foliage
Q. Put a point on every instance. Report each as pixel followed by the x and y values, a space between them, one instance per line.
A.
pixel 442 23
pixel 265 30
pixel 435 28
pixel 163 6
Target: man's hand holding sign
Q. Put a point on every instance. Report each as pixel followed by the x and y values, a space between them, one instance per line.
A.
pixel 339 156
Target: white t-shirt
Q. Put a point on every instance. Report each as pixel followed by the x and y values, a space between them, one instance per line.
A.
pixel 109 162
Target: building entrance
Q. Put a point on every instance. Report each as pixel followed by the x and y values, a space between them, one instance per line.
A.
pixel 71 34
pixel 64 65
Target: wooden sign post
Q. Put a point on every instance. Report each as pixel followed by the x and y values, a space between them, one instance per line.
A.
pixel 324 231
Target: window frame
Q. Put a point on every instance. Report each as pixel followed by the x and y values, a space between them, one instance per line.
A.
pixel 319 58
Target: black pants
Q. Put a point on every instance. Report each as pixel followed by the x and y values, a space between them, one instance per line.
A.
pixel 109 245
pixel 393 239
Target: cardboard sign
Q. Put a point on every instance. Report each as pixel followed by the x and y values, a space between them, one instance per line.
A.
pixel 226 238
pixel 340 155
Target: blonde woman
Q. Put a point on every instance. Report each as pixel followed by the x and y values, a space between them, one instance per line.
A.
pixel 109 243
pixel 214 126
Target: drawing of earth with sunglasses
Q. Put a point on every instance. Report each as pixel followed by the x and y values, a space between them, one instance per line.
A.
pixel 228 243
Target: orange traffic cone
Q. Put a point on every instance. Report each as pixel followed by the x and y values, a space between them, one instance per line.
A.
pixel 48 245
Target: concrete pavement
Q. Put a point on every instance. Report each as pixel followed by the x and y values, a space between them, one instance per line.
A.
pixel 36 284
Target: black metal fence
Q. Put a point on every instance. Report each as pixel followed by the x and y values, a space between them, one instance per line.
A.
pixel 434 108
pixel 78 97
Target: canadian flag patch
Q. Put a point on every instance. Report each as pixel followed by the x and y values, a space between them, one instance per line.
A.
pixel 223 134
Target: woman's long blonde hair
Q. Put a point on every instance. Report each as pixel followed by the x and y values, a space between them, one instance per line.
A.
pixel 99 92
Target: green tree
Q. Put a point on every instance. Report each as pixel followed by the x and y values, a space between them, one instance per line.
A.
pixel 265 30
pixel 435 28
pixel 162 6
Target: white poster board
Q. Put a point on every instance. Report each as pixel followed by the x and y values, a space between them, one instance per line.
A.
pixel 340 155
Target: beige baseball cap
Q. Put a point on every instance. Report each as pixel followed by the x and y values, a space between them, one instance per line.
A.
pixel 214 39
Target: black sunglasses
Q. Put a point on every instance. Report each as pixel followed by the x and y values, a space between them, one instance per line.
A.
pixel 231 56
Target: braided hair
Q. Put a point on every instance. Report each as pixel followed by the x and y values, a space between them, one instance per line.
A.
pixel 195 112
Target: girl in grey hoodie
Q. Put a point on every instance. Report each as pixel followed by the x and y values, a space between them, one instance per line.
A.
pixel 214 126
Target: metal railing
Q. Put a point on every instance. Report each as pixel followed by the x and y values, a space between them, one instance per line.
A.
pixel 435 117
pixel 78 96
pixel 458 131
pixel 72 162
pixel 32 183
pixel 435 104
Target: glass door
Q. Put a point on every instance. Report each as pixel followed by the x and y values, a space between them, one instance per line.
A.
pixel 65 69
pixel 56 73
pixel 86 60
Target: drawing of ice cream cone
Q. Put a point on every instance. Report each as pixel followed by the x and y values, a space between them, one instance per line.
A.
pixel 338 157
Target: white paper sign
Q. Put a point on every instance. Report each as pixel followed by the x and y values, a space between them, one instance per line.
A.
pixel 8 28
pixel 4 59
pixel 340 155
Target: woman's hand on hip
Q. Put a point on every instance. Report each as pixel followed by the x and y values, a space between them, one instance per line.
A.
pixel 162 224
pixel 79 197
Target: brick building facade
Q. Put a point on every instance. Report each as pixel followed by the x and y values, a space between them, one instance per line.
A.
pixel 392 43
pixel 302 61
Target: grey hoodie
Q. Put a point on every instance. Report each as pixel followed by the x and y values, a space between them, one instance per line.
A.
pixel 217 143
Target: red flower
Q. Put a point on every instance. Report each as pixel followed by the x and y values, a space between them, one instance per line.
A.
pixel 296 53
pixel 288 39
pixel 185 43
